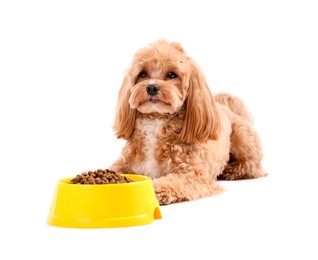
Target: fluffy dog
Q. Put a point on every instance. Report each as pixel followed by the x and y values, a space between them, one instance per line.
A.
pixel 177 132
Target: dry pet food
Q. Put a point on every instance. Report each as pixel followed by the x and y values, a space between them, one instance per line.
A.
pixel 100 177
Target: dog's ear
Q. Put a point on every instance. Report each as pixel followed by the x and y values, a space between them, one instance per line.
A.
pixel 202 120
pixel 125 117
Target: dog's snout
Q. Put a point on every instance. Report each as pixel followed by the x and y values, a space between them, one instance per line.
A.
pixel 152 89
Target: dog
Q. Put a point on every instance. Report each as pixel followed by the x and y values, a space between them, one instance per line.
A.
pixel 177 133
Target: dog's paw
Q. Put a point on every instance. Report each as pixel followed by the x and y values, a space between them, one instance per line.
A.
pixel 164 195
pixel 239 172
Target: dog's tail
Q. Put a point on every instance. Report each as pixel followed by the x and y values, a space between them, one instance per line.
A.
pixel 235 104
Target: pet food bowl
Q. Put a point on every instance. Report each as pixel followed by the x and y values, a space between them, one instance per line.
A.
pixel 104 205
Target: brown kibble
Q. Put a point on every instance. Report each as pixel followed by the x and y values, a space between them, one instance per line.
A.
pixel 91 181
pixel 99 177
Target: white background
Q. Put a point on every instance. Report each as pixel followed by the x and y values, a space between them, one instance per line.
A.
pixel 61 66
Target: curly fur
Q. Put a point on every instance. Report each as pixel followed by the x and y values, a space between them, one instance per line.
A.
pixel 181 135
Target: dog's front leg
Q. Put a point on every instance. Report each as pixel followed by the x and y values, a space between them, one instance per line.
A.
pixel 184 187
pixel 121 166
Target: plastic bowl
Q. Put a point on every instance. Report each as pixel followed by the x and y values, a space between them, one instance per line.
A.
pixel 104 205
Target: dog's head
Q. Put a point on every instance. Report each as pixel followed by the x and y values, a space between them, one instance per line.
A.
pixel 163 79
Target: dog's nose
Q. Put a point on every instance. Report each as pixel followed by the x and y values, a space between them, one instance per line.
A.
pixel 152 89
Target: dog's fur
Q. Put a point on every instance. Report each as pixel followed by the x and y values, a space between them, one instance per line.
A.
pixel 177 132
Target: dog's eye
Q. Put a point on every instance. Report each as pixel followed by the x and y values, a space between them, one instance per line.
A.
pixel 143 74
pixel 171 75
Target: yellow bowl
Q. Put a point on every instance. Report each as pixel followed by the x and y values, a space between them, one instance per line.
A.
pixel 104 205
